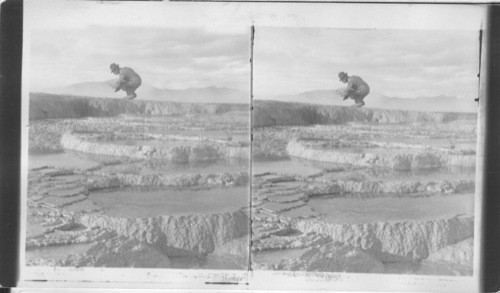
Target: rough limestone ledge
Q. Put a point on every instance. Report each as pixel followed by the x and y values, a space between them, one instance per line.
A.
pixel 393 188
pixel 396 241
pixel 184 180
pixel 183 235
pixel 406 161
pixel 119 252
pixel 461 253
pixel 272 113
pixel 265 113
pixel 338 258
pixel 104 181
pixel 179 154
pixel 48 106
pixel 410 187
pixel 332 257
pixel 236 251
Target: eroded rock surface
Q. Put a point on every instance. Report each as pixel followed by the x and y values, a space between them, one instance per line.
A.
pixel 414 240
pixel 49 106
pixel 373 191
pixel 176 235
pixel 271 113
pixel 395 159
pixel 384 191
pixel 120 252
pixel 332 257
pixel 461 253
pixel 181 149
pixel 94 181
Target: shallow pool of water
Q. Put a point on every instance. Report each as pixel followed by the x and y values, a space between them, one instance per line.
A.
pixel 167 167
pixel 137 203
pixel 61 160
pixel 295 167
pixel 57 252
pixel 243 136
pixel 344 210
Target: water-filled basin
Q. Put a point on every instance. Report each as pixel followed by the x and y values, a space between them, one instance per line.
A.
pixel 137 203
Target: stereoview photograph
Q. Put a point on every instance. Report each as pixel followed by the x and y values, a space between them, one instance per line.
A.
pixel 364 150
pixel 139 147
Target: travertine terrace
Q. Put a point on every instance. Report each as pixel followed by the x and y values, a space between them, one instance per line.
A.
pixel 117 183
pixel 362 190
pixel 167 185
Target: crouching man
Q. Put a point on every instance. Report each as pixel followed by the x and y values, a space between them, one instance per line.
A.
pixel 357 89
pixel 128 80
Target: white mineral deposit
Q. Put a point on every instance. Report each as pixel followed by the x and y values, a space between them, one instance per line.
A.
pixel 339 189
pixel 145 184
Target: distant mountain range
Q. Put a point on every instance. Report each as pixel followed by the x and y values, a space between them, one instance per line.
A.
pixel 377 100
pixel 210 94
pixel 214 94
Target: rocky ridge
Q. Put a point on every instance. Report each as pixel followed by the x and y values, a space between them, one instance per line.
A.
pixel 271 113
pixel 49 106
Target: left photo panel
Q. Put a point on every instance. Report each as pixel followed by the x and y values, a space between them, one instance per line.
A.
pixel 138 149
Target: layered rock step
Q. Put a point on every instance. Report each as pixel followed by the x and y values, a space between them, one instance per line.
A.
pixel 169 222
pixel 395 156
pixel 186 235
pixel 376 219
pixel 175 148
pixel 167 191
pixel 419 221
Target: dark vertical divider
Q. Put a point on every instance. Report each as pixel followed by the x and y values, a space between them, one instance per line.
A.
pixel 11 39
pixel 490 249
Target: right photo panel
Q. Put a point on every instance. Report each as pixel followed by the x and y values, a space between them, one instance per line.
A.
pixel 364 150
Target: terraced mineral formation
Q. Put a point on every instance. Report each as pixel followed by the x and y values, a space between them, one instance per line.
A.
pixel 149 184
pixel 414 240
pixel 368 191
pixel 173 148
pixel 395 156
pixel 185 235
pixel 137 184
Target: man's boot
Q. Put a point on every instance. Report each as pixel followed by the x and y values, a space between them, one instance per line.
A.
pixel 359 104
pixel 131 96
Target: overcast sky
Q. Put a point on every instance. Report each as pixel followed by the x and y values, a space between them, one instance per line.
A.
pixel 165 57
pixel 180 45
pixel 396 63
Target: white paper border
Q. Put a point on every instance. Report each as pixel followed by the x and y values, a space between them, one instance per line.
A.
pixel 52 14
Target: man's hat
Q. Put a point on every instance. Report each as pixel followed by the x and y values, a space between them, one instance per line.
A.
pixel 114 67
pixel 342 75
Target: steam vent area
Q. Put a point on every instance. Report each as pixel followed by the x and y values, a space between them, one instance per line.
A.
pixel 115 183
pixel 339 189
